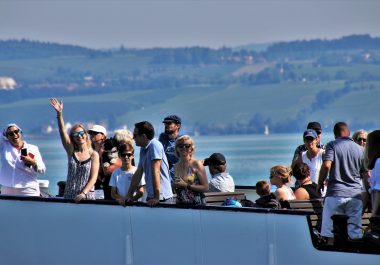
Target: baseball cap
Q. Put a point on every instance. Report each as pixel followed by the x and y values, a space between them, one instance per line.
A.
pixel 172 118
pixel 316 126
pixel 215 159
pixel 310 133
pixel 98 129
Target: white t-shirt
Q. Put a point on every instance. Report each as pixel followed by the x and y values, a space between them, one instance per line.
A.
pixel 314 164
pixel 122 180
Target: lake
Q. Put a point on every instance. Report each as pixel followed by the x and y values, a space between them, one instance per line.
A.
pixel 249 157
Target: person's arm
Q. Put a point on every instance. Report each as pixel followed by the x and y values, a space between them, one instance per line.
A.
pixel 156 166
pixel 108 170
pixel 92 179
pixel 139 193
pixel 203 182
pixel 39 165
pixel 136 178
pixel 114 193
pixel 65 139
pixel 301 194
pixel 323 173
pixel 297 152
pixel 280 195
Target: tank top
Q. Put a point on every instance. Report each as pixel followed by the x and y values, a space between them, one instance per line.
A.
pixel 289 193
pixel 314 164
pixel 78 174
pixel 185 196
pixel 312 190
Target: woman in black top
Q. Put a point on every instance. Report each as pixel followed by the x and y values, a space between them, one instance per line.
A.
pixel 307 189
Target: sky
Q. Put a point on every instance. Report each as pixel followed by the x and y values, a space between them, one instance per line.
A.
pixel 178 23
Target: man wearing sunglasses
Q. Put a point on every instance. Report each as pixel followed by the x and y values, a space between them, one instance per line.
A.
pixel 98 135
pixel 20 164
pixel 172 126
pixel 154 164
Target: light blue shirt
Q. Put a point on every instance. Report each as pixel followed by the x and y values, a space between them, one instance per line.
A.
pixel 155 151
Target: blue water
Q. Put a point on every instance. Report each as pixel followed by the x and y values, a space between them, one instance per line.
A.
pixel 249 157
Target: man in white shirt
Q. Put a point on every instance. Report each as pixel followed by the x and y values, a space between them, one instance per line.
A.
pixel 20 164
pixel 220 181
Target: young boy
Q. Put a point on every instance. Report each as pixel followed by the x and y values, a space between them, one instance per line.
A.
pixel 121 177
pixel 221 181
pixel 267 199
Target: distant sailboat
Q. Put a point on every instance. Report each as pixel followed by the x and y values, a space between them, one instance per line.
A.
pixel 266 130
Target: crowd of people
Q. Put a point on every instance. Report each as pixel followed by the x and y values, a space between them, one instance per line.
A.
pixel 345 172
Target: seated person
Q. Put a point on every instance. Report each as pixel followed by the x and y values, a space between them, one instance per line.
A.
pixel 220 181
pixel 267 199
pixel 121 177
pixel 306 189
pixel 280 176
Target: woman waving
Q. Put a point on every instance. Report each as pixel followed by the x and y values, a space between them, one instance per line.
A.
pixel 83 161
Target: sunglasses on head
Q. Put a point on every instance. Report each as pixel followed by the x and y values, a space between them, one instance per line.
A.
pixel 76 134
pixel 362 139
pixel 15 132
pixel 126 154
pixel 187 146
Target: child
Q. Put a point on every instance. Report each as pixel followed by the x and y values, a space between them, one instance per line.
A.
pixel 121 177
pixel 267 199
pixel 220 181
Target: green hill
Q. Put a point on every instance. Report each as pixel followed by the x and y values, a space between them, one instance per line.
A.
pixel 214 91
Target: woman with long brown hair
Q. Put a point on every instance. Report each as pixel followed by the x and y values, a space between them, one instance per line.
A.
pixel 83 161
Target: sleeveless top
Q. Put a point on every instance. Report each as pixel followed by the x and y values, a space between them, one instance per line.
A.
pixel 78 174
pixel 314 164
pixel 186 196
pixel 312 190
pixel 289 193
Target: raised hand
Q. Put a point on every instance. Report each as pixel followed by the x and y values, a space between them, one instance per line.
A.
pixel 57 105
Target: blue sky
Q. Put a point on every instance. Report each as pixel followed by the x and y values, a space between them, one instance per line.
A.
pixel 111 23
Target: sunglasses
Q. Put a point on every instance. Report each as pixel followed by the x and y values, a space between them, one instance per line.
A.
pixel 92 133
pixel 187 146
pixel 15 132
pixel 362 139
pixel 76 134
pixel 169 122
pixel 126 154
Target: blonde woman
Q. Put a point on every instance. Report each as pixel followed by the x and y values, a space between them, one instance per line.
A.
pixel 190 180
pixel 83 161
pixel 279 176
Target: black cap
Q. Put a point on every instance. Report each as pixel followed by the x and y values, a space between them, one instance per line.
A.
pixel 215 159
pixel 172 118
pixel 316 126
